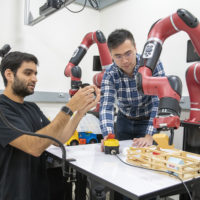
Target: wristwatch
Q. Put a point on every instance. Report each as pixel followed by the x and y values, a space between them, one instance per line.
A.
pixel 67 110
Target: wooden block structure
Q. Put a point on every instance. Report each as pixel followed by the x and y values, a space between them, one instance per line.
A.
pixel 181 163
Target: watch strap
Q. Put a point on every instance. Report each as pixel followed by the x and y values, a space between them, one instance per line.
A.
pixel 67 110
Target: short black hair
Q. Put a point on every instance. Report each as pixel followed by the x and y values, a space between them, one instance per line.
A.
pixel 118 36
pixel 13 61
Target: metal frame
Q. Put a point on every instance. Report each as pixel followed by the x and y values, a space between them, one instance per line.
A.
pixel 28 17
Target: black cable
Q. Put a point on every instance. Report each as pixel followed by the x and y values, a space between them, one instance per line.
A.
pixel 96 6
pixel 9 125
pixel 77 10
pixel 157 170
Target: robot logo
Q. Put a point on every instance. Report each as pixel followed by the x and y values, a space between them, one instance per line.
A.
pixel 148 51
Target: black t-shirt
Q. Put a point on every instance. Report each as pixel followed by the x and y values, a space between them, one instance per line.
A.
pixel 22 176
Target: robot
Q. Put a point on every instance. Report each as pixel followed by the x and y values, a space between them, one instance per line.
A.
pixel 193 83
pixel 169 88
pixel 191 137
pixel 4 50
pixel 74 71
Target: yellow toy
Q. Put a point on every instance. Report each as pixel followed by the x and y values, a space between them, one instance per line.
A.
pixel 74 139
pixel 163 141
pixel 111 145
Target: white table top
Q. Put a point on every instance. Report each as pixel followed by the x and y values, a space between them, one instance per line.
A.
pixel 132 181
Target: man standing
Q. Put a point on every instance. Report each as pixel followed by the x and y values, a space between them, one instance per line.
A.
pixel 22 162
pixel 135 111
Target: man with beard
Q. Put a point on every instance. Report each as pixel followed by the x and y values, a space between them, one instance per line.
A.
pixel 22 160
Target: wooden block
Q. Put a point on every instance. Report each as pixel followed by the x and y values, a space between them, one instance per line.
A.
pixel 183 164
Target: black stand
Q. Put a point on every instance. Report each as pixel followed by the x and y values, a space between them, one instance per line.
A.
pixel 191 143
pixel 171 138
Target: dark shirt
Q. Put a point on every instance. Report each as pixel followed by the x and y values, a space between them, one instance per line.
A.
pixel 22 176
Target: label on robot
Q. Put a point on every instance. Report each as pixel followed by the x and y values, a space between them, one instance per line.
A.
pixel 149 50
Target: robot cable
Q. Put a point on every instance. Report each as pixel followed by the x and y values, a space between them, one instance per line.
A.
pixel 94 4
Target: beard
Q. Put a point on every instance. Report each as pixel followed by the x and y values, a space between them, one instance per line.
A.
pixel 20 88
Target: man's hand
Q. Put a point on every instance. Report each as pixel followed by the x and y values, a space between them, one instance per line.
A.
pixel 84 99
pixel 143 141
pixel 91 104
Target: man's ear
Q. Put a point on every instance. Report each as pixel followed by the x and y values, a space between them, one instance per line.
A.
pixel 9 75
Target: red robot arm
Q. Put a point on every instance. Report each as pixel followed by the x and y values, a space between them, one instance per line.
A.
pixel 74 71
pixel 169 88
pixel 193 84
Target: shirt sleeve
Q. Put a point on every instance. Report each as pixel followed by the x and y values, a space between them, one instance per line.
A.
pixel 150 129
pixel 159 71
pixel 107 105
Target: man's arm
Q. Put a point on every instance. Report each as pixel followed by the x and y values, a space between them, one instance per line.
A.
pixel 106 113
pixel 148 140
pixel 107 107
pixel 35 146
pixel 73 123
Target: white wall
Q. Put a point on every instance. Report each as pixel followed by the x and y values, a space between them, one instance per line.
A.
pixel 53 41
pixel 139 15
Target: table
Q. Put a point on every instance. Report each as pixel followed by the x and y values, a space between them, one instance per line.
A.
pixel 108 170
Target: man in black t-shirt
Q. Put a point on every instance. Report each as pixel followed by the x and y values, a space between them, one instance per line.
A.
pixel 22 161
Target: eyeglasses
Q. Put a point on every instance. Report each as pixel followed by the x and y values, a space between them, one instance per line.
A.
pixel 126 55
